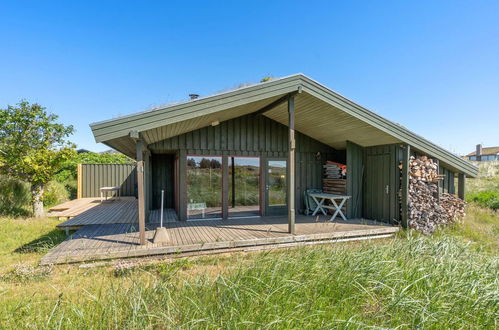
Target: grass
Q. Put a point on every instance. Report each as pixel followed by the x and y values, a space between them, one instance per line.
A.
pixel 445 281
pixel 26 240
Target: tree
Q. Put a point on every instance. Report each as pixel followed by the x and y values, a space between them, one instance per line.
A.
pixel 204 163
pixel 33 147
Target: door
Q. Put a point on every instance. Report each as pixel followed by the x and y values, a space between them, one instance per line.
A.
pixel 276 185
pixel 377 189
pixel 244 187
pixel 162 179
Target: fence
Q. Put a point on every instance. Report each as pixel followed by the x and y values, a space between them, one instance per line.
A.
pixel 91 177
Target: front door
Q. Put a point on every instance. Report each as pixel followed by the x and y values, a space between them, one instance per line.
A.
pixel 276 187
pixel 377 190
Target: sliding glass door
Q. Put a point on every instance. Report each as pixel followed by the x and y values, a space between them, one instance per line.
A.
pixel 204 187
pixel 244 186
pixel 241 176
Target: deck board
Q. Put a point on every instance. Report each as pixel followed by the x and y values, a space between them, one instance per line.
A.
pixel 90 211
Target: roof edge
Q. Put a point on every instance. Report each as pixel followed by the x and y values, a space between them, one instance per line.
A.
pixel 388 126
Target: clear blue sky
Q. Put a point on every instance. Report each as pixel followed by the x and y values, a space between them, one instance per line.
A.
pixel 432 66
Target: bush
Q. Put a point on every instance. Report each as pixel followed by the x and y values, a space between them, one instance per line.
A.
pixel 55 193
pixel 488 199
pixel 15 197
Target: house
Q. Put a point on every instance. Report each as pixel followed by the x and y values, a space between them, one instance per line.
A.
pixel 254 151
pixel 483 154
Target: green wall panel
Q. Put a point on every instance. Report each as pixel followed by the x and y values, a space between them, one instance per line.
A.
pixel 95 176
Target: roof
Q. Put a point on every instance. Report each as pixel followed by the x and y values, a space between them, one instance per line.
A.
pixel 486 151
pixel 319 113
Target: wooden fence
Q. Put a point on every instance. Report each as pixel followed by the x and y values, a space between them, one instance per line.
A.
pixel 91 177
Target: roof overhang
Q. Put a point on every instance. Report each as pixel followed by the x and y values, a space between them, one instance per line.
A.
pixel 319 113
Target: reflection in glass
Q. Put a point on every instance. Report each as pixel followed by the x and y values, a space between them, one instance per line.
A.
pixel 244 186
pixel 204 187
pixel 276 180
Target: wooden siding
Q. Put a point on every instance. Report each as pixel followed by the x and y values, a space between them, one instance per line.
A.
pixel 95 176
pixel 355 175
pixel 258 136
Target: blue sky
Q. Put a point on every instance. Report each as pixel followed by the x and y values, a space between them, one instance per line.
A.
pixel 432 66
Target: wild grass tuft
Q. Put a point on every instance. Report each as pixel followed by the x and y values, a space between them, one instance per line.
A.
pixel 22 273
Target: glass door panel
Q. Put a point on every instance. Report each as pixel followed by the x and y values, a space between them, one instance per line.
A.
pixel 244 186
pixel 276 187
pixel 204 187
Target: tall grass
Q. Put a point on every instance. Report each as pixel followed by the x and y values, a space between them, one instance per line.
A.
pixel 408 283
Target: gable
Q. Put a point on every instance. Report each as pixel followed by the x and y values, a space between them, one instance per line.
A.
pixel 248 134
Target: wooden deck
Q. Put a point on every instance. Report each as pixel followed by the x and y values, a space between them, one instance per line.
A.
pixel 120 240
pixel 90 211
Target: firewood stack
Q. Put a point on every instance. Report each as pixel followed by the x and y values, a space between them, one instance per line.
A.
pixel 426 211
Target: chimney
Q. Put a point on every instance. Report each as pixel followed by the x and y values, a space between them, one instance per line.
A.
pixel 478 152
pixel 193 96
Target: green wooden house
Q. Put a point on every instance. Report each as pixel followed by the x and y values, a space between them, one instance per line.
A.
pixel 254 151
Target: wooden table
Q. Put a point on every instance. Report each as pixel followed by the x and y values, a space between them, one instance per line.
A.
pixel 320 198
pixel 105 190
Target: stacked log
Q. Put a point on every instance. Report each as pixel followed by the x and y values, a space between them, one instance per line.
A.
pixel 428 210
pixel 334 186
pixel 424 169
pixel 454 206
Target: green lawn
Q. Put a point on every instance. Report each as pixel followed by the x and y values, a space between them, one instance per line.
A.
pixel 449 280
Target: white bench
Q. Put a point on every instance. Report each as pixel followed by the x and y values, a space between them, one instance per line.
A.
pixel 320 198
pixel 105 190
pixel 197 207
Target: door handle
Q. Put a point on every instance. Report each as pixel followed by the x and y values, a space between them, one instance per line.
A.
pixel 387 189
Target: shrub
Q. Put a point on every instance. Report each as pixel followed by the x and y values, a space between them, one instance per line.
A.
pixel 55 193
pixel 488 199
pixel 15 197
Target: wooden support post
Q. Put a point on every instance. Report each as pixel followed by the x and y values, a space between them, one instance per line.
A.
pixel 233 182
pixel 141 192
pixel 291 165
pixel 79 185
pixel 405 186
pixel 461 183
pixel 225 187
